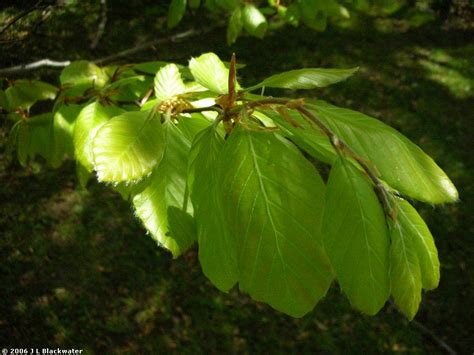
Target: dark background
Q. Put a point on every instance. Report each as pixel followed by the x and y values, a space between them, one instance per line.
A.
pixel 76 267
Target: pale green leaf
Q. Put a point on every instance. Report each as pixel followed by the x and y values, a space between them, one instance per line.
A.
pixel 217 249
pixel 209 71
pixel 416 230
pixel 128 147
pixel 88 122
pixel 168 83
pixel 401 163
pixel 253 20
pixel 164 206
pixel 273 201
pixel 305 78
pixel 356 238
pixel 176 12
pixel 234 28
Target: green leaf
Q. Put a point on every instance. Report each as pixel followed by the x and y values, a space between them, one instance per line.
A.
pixel 228 5
pixel 129 89
pixel 24 93
pixel 64 120
pixel 234 28
pixel 401 163
pixel 302 133
pixel 82 75
pixel 355 237
pixel 151 67
pixel 209 71
pixel 273 202
pixel 82 174
pixel 176 12
pixel 194 4
pixel 163 206
pixel 305 78
pixel 254 21
pixel 217 249
pixel 88 122
pixel 168 83
pixel 416 230
pixel 405 272
pixel 3 101
pixel 128 147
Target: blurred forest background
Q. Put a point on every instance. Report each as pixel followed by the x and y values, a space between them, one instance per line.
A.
pixel 76 267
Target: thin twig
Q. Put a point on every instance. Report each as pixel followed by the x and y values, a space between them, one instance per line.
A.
pixel 51 63
pixel 440 342
pixel 102 24
pixel 35 65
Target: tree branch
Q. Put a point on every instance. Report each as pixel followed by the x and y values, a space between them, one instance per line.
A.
pixel 102 24
pixel 51 63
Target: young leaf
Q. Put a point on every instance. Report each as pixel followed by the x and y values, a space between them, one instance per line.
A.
pixel 401 163
pixel 217 248
pixel 209 71
pixel 128 147
pixel 168 83
pixel 355 237
pixel 415 229
pixel 176 12
pixel 88 122
pixel 305 78
pixel 163 206
pixel 273 201
pixel 24 93
pixel 253 20
pixel 234 28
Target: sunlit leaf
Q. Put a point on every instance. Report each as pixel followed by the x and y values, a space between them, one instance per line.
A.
pixel 217 249
pixel 209 71
pixel 401 163
pixel 87 123
pixel 253 20
pixel 81 75
pixel 168 83
pixel 164 206
pixel 356 238
pixel 305 78
pixel 64 120
pixel 128 147
pixel 273 203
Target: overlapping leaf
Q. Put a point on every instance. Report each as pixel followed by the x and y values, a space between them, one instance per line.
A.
pixel 128 147
pixel 64 120
pixel 253 20
pixel 168 83
pixel 217 248
pixel 414 258
pixel 164 206
pixel 273 207
pixel 176 12
pixel 24 93
pixel 400 162
pixel 356 238
pixel 88 122
pixel 33 138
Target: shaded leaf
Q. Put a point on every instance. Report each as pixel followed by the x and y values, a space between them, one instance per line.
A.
pixel 253 20
pixel 176 12
pixel 355 237
pixel 64 120
pixel 234 28
pixel 24 93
